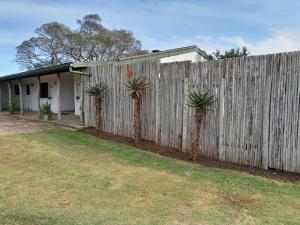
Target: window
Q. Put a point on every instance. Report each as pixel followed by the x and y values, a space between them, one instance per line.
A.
pixel 17 91
pixel 44 90
pixel 27 89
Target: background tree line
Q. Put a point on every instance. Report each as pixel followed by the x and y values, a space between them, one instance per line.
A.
pixel 56 43
pixel 234 52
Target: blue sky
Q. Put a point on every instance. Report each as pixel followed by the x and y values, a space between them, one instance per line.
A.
pixel 264 26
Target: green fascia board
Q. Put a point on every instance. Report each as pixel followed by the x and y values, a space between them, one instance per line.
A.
pixel 148 56
pixel 164 54
pixel 87 64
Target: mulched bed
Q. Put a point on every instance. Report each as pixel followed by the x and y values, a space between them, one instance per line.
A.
pixel 176 154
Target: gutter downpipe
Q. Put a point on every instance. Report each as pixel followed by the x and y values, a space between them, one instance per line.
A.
pixel 79 72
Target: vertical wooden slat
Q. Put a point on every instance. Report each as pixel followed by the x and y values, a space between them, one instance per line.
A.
pixel 185 131
pixel 221 121
pixel 157 110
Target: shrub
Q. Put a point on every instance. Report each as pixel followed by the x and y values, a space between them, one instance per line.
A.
pixel 13 109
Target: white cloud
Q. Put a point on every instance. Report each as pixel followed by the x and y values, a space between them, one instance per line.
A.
pixel 280 41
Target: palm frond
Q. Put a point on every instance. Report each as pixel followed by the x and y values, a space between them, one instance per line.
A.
pixel 97 90
pixel 199 100
pixel 136 86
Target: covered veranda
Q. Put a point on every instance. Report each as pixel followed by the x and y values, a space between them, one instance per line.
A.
pixel 57 85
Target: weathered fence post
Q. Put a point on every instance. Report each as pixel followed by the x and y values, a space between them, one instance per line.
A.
pixel 157 108
pixel 221 121
pixel 266 121
pixel 185 115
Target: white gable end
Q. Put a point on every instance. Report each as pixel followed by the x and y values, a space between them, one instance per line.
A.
pixel 191 56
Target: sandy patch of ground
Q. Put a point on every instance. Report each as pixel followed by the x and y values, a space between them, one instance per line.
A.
pixel 13 125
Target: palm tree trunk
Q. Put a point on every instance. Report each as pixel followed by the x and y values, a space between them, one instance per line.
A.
pixel 98 114
pixel 199 117
pixel 137 126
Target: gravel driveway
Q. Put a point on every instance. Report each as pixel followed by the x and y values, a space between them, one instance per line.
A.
pixel 12 125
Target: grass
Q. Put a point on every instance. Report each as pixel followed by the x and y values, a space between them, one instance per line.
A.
pixel 65 177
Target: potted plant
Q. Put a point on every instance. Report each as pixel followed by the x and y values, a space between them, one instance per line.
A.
pixel 46 111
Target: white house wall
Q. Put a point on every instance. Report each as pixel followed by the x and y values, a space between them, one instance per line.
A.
pixel 30 102
pixel 67 92
pixel 191 56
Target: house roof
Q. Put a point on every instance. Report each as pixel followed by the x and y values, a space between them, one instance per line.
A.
pixel 131 59
pixel 38 72
pixel 164 54
pixel 148 56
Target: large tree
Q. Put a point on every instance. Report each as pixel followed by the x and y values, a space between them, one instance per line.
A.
pixel 56 43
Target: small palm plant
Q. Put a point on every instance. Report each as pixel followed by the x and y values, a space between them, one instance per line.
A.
pixel 97 91
pixel 137 87
pixel 200 102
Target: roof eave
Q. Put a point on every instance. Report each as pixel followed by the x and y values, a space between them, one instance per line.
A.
pixel 167 53
pixel 39 72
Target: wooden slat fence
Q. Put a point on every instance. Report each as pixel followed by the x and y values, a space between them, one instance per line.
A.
pixel 255 121
pixel 117 104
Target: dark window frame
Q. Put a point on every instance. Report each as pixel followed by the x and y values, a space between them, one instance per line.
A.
pixel 44 90
pixel 17 90
pixel 28 89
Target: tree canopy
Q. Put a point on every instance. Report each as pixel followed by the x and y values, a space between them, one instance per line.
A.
pixel 56 43
pixel 234 52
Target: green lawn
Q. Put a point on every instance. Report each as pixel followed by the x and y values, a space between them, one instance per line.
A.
pixel 65 177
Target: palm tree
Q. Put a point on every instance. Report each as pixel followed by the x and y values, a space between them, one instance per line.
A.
pixel 97 91
pixel 137 87
pixel 200 102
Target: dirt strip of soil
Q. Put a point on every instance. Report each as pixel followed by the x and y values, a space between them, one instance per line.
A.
pixel 177 154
